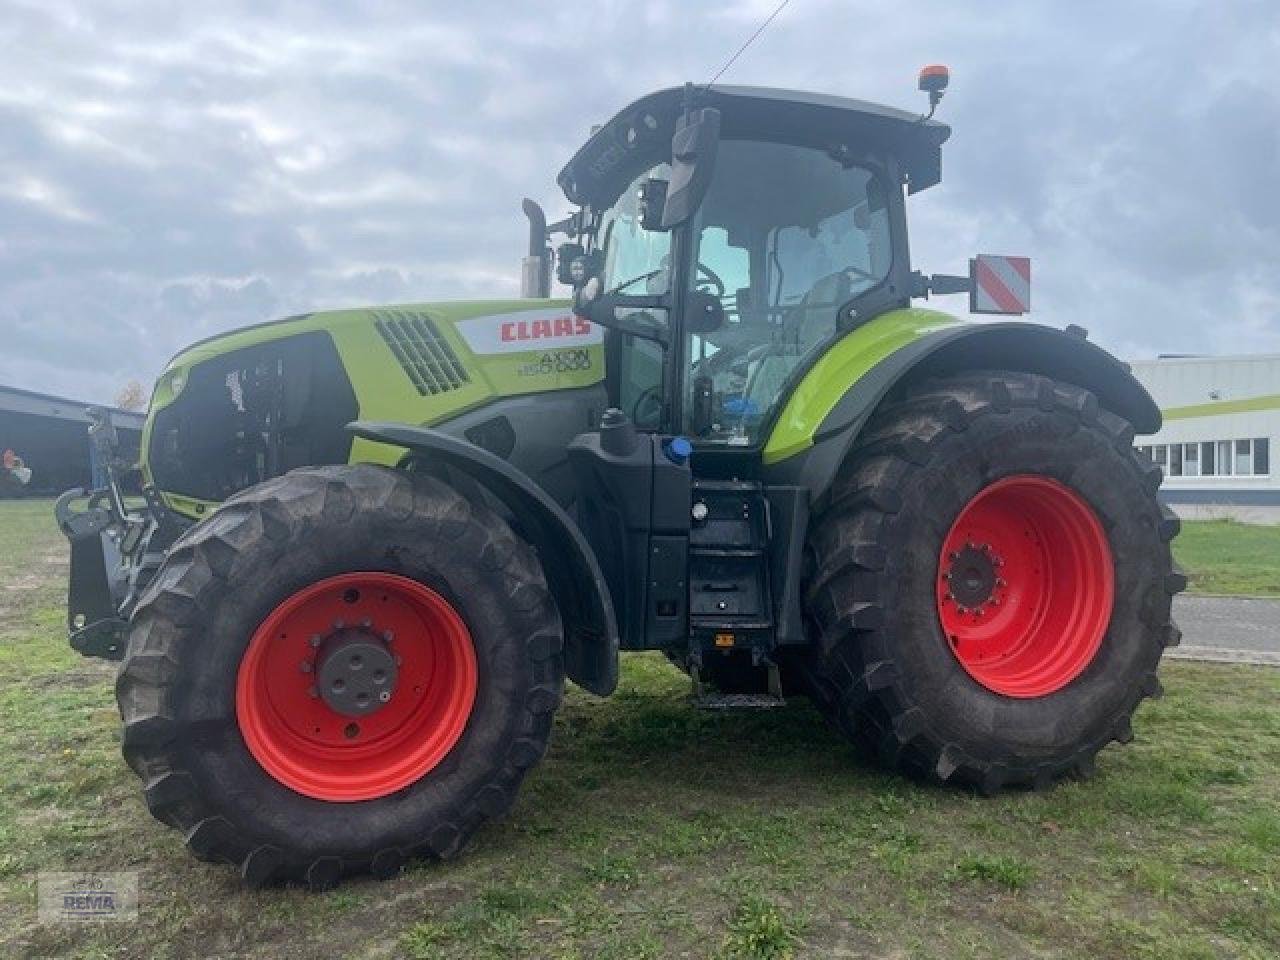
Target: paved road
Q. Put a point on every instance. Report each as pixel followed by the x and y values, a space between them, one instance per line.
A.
pixel 1230 629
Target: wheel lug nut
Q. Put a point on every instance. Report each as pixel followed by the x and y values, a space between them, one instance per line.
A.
pixel 388 636
pixel 384 696
pixel 315 640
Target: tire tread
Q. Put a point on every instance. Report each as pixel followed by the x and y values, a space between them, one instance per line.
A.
pixel 853 660
pixel 166 632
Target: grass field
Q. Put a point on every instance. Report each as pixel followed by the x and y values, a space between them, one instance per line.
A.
pixel 652 830
pixel 1222 556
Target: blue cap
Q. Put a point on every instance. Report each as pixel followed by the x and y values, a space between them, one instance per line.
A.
pixel 678 449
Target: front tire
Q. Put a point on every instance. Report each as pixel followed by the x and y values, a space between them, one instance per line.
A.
pixel 990 589
pixel 338 670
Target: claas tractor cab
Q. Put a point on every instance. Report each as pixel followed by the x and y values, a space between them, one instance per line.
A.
pixel 374 542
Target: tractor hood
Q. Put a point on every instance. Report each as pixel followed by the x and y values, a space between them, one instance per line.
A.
pixel 252 403
pixel 640 135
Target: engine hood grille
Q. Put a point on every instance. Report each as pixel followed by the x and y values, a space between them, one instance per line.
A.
pixel 424 355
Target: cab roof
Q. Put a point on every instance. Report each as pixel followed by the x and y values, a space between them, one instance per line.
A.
pixel 639 136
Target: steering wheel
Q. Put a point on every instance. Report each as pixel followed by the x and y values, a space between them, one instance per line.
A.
pixel 647 410
pixel 713 278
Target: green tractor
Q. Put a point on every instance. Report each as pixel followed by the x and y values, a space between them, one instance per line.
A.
pixel 373 543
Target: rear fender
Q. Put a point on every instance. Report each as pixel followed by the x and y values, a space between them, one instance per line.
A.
pixel 573 573
pixel 949 349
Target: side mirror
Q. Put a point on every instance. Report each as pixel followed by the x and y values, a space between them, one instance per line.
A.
pixel 703 312
pixel 693 158
pixel 566 254
pixel 653 201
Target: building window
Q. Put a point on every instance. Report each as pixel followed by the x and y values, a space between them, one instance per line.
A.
pixel 1191 460
pixel 1249 457
pixel 1244 458
pixel 1224 458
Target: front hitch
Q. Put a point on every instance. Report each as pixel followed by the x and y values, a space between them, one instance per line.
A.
pixel 111 550
pixel 98 579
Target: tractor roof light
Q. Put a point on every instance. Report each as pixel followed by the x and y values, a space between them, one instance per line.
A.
pixel 934 78
pixel 933 81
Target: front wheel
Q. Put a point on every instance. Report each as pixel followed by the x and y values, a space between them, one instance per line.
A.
pixel 990 590
pixel 340 669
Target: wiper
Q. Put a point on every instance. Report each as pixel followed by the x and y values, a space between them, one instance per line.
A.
pixel 634 280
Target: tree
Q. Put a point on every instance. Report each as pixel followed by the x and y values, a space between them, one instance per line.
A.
pixel 131 396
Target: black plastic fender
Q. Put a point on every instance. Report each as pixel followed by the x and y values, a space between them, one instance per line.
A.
pixel 1028 347
pixel 572 570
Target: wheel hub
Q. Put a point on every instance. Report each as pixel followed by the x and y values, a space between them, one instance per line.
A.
pixel 971 577
pixel 356 674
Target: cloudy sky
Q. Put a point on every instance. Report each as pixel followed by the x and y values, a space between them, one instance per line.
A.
pixel 169 170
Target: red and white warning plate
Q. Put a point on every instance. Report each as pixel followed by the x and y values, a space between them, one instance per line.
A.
pixel 1000 284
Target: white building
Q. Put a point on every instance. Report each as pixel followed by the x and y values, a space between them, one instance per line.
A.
pixel 1221 434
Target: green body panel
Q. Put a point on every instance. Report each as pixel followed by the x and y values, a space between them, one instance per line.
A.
pixel 1270 401
pixel 844 364
pixel 384 391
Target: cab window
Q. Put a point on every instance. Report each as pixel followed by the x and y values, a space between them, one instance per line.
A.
pixel 785 237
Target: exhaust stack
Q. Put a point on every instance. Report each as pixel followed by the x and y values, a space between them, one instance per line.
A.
pixel 535 268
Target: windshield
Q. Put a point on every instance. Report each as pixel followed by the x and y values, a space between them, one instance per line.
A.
pixel 635 260
pixel 785 236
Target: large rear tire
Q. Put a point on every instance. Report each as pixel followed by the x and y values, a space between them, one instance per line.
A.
pixel 338 670
pixel 989 591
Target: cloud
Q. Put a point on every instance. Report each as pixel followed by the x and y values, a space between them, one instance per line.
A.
pixel 167 171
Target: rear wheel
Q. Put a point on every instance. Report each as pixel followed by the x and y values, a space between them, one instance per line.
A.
pixel 340 669
pixel 989 591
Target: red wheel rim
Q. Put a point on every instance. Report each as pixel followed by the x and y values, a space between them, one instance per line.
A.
pixel 1025 586
pixel 297 734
